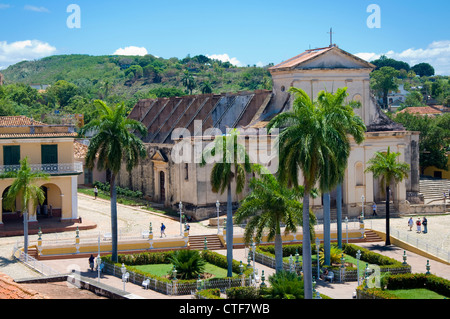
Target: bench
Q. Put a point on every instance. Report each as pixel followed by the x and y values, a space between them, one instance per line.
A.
pixel 107 236
pixel 146 283
pixel 329 277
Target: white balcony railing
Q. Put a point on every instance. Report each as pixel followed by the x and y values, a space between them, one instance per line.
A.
pixel 52 169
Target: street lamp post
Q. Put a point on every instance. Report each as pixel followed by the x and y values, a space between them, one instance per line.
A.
pixel 218 206
pixel 317 250
pixel 99 260
pixel 358 257
pixel 362 211
pixel 125 275
pixel 254 250
pixel 180 206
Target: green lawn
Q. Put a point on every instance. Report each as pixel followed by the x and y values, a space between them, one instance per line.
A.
pixel 163 269
pixel 416 294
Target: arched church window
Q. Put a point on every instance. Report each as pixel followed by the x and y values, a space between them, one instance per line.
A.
pixel 359 174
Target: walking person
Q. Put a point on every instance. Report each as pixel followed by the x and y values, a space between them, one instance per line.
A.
pixel 374 209
pixel 410 223
pixel 425 223
pixel 163 230
pixel 418 224
pixel 91 262
pixel 95 192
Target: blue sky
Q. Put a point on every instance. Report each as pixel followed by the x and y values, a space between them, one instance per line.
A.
pixel 245 31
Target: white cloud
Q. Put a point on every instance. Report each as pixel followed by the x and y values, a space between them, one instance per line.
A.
pixel 131 50
pixel 225 58
pixel 4 6
pixel 36 9
pixel 14 52
pixel 437 54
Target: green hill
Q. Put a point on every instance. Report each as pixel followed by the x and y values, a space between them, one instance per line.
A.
pixel 126 75
pixel 74 81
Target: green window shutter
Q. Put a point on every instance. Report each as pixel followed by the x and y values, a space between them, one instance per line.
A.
pixel 49 154
pixel 11 155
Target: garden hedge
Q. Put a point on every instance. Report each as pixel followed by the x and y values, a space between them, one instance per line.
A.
pixel 406 281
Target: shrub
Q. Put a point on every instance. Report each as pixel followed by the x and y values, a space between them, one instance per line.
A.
pixel 213 293
pixel 335 255
pixel 286 285
pixel 243 293
pixel 371 257
pixel 189 263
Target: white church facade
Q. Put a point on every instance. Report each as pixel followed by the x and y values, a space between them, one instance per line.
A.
pixel 164 180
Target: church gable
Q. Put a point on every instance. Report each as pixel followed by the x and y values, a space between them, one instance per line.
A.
pixel 324 58
pixel 335 59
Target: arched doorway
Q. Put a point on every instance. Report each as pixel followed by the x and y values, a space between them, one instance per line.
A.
pixel 52 204
pixel 8 213
pixel 162 187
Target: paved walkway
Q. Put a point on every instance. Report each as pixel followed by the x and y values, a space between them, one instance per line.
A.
pixel 134 220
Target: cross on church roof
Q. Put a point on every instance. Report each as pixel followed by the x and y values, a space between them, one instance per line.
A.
pixel 331 36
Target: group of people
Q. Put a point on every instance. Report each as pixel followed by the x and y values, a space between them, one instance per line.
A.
pixel 419 224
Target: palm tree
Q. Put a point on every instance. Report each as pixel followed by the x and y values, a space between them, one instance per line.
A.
pixel 233 164
pixel 341 117
pixel 206 87
pixel 113 144
pixel 189 82
pixel 24 185
pixel 269 204
pixel 309 140
pixel 386 166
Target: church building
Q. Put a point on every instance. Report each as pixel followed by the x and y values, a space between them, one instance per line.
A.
pixel 165 180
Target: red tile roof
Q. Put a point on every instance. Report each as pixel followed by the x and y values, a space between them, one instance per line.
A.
pixel 11 290
pixel 421 110
pixel 37 135
pixel 302 57
pixel 18 121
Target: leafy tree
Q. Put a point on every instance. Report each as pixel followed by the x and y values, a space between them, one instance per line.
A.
pixel 114 144
pixel 61 93
pixel 268 205
pixel 386 166
pixel 413 98
pixel 423 69
pixel 24 185
pixel 233 164
pixel 166 92
pixel 385 61
pixel 383 81
pixel 434 137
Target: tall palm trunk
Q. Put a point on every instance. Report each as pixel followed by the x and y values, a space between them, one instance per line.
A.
pixel 278 250
pixel 113 195
pixel 326 228
pixel 388 235
pixel 229 232
pixel 339 214
pixel 307 267
pixel 25 232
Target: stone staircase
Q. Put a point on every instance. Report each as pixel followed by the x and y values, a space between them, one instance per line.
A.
pixel 433 189
pixel 198 242
pixel 371 236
